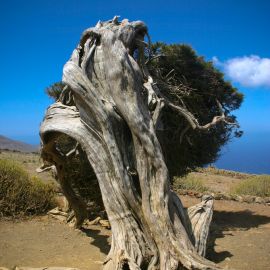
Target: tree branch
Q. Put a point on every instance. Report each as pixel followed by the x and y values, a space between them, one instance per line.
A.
pixel 194 122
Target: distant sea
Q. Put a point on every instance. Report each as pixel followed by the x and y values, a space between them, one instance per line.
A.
pixel 250 153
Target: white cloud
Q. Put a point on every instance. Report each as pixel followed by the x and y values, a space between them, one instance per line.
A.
pixel 249 71
pixel 216 61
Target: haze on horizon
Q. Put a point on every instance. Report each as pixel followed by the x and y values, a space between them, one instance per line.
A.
pixel 39 36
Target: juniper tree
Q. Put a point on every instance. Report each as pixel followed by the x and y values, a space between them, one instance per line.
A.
pixel 140 116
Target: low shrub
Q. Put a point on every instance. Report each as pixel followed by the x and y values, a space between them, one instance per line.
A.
pixel 21 194
pixel 189 182
pixel 256 186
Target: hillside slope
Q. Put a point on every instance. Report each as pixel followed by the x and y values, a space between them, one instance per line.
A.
pixel 6 143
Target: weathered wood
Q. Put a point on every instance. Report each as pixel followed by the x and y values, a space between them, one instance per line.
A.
pixel 200 217
pixel 115 124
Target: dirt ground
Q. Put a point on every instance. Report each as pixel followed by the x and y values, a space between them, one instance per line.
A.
pixel 44 242
pixel 217 183
pixel 239 235
pixel 240 239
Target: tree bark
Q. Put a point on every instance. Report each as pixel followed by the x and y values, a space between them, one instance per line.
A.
pixel 112 120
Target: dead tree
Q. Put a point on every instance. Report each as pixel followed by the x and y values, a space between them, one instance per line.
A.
pixel 111 106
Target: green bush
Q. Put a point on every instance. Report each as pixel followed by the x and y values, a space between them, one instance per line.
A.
pixel 256 186
pixel 189 182
pixel 21 194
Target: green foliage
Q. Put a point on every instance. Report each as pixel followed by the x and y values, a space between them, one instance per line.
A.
pixel 256 186
pixel 55 90
pixel 80 174
pixel 190 81
pixel 189 182
pixel 20 194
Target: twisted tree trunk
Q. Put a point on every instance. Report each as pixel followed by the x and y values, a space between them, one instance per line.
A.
pixel 111 117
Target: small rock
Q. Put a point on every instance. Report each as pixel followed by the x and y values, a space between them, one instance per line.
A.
pixel 182 192
pixel 218 196
pixel 249 199
pixel 239 199
pixel 198 195
pixel 105 223
pixel 58 217
pixel 259 200
pixel 95 221
pixel 57 211
pixel 227 197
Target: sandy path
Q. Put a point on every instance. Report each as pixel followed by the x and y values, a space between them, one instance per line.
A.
pixel 239 235
pixel 240 239
pixel 47 242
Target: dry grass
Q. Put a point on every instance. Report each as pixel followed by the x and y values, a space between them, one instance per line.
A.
pixel 189 182
pixel 256 186
pixel 29 161
pixel 21 194
pixel 215 171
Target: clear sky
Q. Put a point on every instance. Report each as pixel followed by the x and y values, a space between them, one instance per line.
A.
pixel 37 38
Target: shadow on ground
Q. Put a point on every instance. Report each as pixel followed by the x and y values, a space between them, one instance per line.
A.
pixel 100 240
pixel 225 223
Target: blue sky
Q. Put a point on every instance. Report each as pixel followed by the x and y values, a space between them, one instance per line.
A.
pixel 37 38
